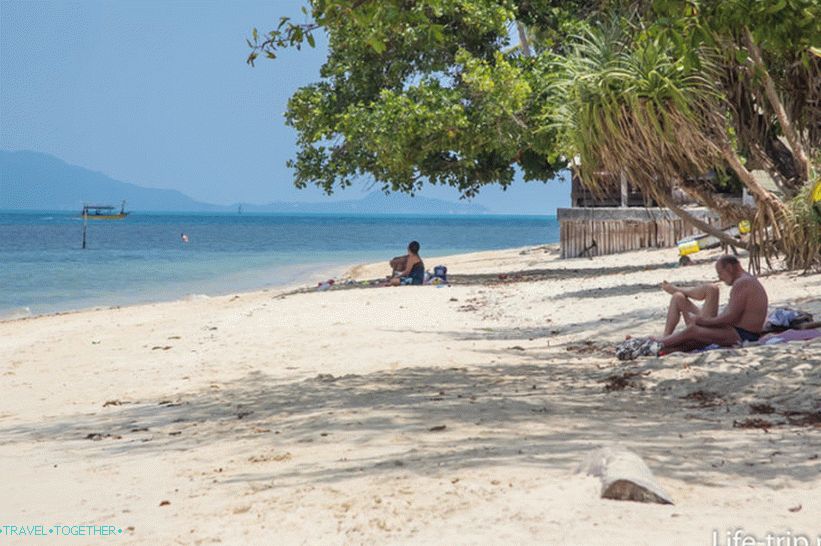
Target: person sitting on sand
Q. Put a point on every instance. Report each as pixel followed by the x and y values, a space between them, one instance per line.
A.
pixel 408 269
pixel 742 319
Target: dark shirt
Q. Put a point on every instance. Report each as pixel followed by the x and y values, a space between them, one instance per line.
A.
pixel 417 273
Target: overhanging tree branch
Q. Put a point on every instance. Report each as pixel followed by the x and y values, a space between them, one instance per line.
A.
pixel 801 159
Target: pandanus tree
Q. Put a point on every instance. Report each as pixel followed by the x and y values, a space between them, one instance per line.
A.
pixel 631 100
pixel 732 86
pixel 771 79
pixel 435 91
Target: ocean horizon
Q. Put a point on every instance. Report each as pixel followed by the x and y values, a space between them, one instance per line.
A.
pixel 142 258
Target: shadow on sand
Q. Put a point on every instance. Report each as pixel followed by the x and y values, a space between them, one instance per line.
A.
pixel 548 413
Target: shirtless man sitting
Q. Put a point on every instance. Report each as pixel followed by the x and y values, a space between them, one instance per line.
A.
pixel 742 319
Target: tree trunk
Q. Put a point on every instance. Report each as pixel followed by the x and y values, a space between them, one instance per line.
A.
pixel 801 159
pixel 624 476
pixel 523 39
pixel 728 210
pixel 702 225
pixel 789 187
pixel 766 200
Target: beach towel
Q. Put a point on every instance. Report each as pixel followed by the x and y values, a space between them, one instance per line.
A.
pixel 790 335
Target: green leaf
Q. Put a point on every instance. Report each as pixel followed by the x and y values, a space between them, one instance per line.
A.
pixel 449 102
pixel 376 44
pixel 741 56
pixel 776 7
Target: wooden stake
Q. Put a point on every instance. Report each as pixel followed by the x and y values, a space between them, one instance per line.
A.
pixel 85 225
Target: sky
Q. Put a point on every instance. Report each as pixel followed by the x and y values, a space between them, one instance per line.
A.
pixel 157 93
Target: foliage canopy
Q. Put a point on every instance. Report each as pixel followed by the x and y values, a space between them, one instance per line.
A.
pixel 440 91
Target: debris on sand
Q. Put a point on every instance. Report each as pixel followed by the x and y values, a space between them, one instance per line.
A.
pixel 705 399
pixel 756 422
pixel 623 381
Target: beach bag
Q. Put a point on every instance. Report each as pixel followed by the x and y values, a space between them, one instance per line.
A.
pixel 784 318
pixel 631 349
pixel 440 271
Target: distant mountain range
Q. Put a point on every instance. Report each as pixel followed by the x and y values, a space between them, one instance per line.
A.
pixel 37 181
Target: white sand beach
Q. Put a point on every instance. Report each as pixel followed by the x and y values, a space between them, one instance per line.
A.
pixel 448 415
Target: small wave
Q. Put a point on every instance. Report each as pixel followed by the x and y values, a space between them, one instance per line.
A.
pixel 18 313
pixel 196 297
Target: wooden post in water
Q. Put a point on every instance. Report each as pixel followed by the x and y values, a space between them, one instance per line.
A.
pixel 85 225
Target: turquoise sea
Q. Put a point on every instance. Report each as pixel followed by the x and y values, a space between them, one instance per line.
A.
pixel 142 258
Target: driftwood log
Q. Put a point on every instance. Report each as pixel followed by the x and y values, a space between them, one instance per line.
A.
pixel 624 476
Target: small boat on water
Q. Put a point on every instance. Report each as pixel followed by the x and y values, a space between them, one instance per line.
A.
pixel 103 212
